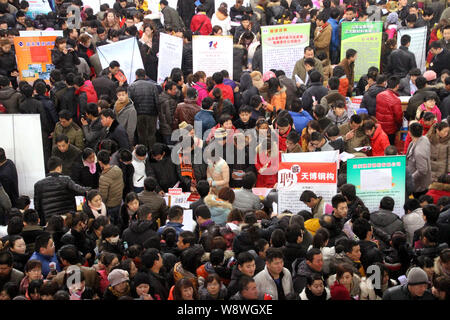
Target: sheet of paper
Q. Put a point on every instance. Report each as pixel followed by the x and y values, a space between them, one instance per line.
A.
pixel 261 192
pixel 344 156
pixel 298 79
pixel 275 207
pixel 188 223
pixel 363 148
pixel 376 179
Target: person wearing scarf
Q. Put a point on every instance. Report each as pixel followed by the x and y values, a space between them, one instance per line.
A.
pixel 315 289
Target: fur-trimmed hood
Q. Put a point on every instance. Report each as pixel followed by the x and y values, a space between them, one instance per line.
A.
pixel 213 201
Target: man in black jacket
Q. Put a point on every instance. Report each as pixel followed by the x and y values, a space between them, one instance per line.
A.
pixel 142 229
pixel 55 194
pixel 441 57
pixel 114 130
pixel 153 262
pixel 369 100
pixel 8 177
pixel 92 130
pixel 401 60
pixel 103 85
pixel 145 97
pixel 369 249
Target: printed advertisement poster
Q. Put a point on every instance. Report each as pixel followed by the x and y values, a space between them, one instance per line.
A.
pixel 418 44
pixel 378 177
pixel 212 54
pixel 170 55
pixel 296 177
pixel 365 38
pixel 34 57
pixel 283 46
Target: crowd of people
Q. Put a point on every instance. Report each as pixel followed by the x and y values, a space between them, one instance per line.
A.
pixel 123 145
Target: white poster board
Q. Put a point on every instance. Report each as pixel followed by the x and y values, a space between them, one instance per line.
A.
pixel 212 54
pixel 170 55
pixel 21 139
pixel 321 156
pixel 38 7
pixel 41 33
pixel 418 44
pixel 126 52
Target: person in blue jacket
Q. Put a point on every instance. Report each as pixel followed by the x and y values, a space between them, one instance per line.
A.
pixel 299 116
pixel 45 253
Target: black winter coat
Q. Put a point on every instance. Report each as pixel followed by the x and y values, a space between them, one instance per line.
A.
pixel 55 195
pixel 140 231
pixel 370 97
pixel 186 10
pixel 79 240
pixel 9 180
pixel 164 171
pixel 149 58
pixel 292 251
pixel 118 134
pixel 50 110
pixel 400 62
pixel 369 253
pixel 145 97
pixel 158 285
pixel 401 292
pixel 187 60
pixel 65 62
pixel 105 86
pixel 8 64
pixel 82 175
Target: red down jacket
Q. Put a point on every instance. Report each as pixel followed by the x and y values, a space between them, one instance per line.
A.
pixel 389 111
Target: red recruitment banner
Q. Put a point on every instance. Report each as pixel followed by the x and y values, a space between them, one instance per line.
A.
pixel 291 173
pixel 175 191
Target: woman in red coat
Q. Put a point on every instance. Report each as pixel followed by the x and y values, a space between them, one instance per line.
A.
pixel 266 164
pixel 441 188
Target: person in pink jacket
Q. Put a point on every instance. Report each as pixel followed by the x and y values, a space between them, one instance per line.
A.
pixel 429 105
pixel 199 83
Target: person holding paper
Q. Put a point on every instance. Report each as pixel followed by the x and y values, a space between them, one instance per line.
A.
pixel 300 69
pixel 378 139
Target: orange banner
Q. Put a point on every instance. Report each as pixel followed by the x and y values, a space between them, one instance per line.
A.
pixel 33 55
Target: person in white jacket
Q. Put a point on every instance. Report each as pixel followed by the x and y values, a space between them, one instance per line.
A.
pixel 222 19
pixel 275 280
pixel 138 162
pixel 315 289
pixel 413 219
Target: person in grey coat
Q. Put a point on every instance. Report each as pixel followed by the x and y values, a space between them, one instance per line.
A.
pixel 126 113
pixel 418 159
pixel 409 82
pixel 245 199
pixel 171 17
pixel 385 219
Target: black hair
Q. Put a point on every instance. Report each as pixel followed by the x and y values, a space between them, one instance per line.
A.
pixel 307 195
pixel 53 163
pixel 431 212
pixel 338 198
pixel 361 227
pixel 411 205
pixel 293 232
pixel 387 203
pixel 350 53
pixel 333 83
pixel 188 237
pixel 274 253
pixel 416 129
pixel 175 212
pixel 30 216
pixel 42 241
pixel 70 253
pixel 62 137
pixel 311 253
pixel 150 184
pixel 104 157
pixel 349 191
pixel 405 39
pixel 278 238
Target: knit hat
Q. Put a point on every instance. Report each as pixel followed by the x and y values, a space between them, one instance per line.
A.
pixel 339 292
pixel 417 276
pixel 430 75
pixel 257 79
pixel 267 75
pixel 185 125
pixel 117 276
pixel 220 133
pixel 141 278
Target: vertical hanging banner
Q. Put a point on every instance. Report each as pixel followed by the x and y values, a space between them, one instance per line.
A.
pixel 378 177
pixel 296 177
pixel 418 44
pixel 212 54
pixel 365 38
pixel 126 52
pixel 283 46
pixel 34 57
pixel 170 55
pixel 38 7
